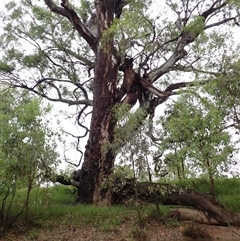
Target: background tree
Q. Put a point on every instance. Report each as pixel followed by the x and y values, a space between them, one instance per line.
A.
pixel 196 139
pixel 105 55
pixel 27 152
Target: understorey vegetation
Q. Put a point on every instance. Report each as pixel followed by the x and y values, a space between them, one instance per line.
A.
pixel 27 154
pixel 50 207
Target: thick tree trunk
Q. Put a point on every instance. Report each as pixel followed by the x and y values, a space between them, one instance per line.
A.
pixel 99 158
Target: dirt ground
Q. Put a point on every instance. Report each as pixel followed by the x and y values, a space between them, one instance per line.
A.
pixel 127 232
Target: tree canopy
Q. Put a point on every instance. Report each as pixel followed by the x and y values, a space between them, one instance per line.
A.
pixel 120 62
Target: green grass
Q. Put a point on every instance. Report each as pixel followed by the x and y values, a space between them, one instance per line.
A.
pixel 58 204
pixel 55 206
pixel 228 191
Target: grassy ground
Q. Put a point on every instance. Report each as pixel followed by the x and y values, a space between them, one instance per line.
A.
pixel 55 207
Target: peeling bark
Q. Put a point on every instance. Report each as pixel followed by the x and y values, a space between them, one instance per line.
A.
pixel 99 158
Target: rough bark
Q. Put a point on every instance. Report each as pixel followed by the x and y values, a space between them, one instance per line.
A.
pixel 99 158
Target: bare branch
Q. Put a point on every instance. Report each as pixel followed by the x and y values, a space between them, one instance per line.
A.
pixel 60 99
pixel 181 85
pixel 185 38
pixel 42 94
pixel 65 181
pixel 154 90
pixel 164 68
pixel 220 22
pixel 67 11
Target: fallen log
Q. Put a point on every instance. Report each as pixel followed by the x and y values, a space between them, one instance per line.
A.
pixel 204 209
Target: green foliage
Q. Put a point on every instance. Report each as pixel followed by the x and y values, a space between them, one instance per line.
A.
pixel 225 88
pixel 228 192
pixel 133 26
pixel 5 67
pixel 133 159
pixel 127 123
pixel 33 60
pixel 124 171
pixel 56 205
pixel 195 139
pixel 171 222
pixel 27 151
pixel 34 38
pixel 196 26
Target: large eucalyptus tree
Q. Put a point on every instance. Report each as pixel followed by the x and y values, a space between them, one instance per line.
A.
pixel 105 55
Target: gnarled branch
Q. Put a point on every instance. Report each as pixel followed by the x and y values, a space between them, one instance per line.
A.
pixel 67 11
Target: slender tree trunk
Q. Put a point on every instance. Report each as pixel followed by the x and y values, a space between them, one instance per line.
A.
pixel 211 178
pixel 178 172
pixel 183 168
